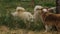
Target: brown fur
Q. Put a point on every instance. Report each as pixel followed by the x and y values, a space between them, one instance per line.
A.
pixel 51 19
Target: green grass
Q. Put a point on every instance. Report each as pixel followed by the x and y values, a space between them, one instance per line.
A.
pixel 8 6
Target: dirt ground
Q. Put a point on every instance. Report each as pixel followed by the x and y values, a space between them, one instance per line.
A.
pixel 5 30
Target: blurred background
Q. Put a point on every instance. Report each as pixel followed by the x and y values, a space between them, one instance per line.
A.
pixel 8 6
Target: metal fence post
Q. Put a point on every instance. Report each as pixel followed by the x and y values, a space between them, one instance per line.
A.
pixel 57 6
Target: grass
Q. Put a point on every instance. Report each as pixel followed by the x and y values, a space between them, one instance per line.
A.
pixel 8 6
pixel 6 30
pixel 10 25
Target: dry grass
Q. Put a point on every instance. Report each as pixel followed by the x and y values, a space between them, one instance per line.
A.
pixel 5 30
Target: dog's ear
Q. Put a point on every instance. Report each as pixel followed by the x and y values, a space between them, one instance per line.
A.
pixel 50 10
pixel 41 8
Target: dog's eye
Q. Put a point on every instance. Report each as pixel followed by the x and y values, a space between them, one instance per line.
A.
pixel 19 10
pixel 38 9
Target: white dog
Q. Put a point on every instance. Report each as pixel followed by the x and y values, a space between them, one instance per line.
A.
pixel 36 13
pixel 27 17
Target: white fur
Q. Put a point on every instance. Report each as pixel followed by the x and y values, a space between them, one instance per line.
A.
pixel 37 7
pixel 36 13
pixel 14 14
pixel 24 15
pixel 20 8
pixel 45 10
pixel 37 16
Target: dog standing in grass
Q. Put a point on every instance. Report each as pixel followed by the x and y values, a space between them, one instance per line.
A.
pixel 36 14
pixel 27 17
